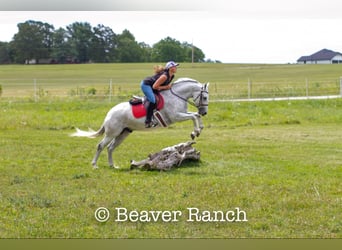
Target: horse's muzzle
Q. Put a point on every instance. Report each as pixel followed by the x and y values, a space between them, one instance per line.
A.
pixel 202 111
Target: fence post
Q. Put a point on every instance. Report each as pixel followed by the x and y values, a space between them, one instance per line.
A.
pixel 341 86
pixel 307 87
pixel 110 90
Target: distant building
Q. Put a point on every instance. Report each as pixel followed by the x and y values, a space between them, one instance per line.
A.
pixel 323 56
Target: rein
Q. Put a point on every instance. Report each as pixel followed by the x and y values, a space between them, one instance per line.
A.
pixel 191 102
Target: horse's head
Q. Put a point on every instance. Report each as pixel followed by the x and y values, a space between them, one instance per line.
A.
pixel 201 99
pixel 189 88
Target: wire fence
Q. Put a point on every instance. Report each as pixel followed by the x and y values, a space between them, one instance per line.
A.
pixel 107 89
pixel 258 90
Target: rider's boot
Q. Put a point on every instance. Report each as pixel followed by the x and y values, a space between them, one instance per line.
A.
pixel 149 114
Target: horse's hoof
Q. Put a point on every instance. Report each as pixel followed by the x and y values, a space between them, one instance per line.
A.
pixel 192 135
pixel 113 166
pixel 95 167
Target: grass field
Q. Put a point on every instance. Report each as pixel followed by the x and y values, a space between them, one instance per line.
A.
pixel 227 80
pixel 279 162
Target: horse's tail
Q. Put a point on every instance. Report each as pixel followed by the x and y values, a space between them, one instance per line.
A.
pixel 89 134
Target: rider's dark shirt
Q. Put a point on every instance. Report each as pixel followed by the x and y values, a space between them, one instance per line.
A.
pixel 152 79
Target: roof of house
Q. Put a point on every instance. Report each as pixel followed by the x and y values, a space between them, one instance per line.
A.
pixel 321 55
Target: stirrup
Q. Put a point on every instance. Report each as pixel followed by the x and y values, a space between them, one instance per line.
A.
pixel 150 124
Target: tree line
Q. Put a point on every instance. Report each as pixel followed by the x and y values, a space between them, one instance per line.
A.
pixel 79 42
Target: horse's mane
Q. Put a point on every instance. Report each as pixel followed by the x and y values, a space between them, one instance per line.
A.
pixel 185 79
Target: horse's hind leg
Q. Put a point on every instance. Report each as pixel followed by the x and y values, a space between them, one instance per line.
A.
pixel 115 143
pixel 100 147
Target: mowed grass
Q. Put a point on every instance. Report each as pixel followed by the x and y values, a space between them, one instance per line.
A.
pixel 280 162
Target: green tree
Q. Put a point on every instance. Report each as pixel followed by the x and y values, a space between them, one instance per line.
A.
pixel 33 41
pixel 62 50
pixel 146 52
pixel 81 37
pixel 192 53
pixel 168 49
pixel 128 49
pixel 80 42
pixel 104 43
pixel 5 52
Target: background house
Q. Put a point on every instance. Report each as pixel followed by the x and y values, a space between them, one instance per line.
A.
pixel 323 56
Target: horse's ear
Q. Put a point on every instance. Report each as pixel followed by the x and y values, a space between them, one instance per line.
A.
pixel 206 86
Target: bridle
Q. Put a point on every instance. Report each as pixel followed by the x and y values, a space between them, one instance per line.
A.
pixel 193 103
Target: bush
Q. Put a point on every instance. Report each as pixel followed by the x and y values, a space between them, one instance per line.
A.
pixel 91 91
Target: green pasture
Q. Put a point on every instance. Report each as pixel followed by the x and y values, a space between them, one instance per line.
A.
pixel 228 81
pixel 280 162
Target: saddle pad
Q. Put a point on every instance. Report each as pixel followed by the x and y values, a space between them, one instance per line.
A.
pixel 140 111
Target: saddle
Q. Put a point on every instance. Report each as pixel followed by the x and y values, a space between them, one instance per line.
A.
pixel 139 105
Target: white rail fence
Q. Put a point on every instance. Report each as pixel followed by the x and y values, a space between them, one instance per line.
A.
pixel 107 89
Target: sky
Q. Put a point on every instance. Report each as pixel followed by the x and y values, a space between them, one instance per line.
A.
pixel 243 31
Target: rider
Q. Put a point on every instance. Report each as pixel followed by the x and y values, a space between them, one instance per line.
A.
pixel 153 84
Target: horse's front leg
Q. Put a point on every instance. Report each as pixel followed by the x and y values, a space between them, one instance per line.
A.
pixel 195 117
pixel 198 126
pixel 201 126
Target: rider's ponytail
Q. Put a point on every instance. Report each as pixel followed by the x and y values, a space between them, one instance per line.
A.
pixel 158 69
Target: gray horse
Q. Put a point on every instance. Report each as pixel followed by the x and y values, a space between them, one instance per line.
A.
pixel 120 122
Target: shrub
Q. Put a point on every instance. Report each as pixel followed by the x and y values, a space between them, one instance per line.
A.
pixel 91 91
